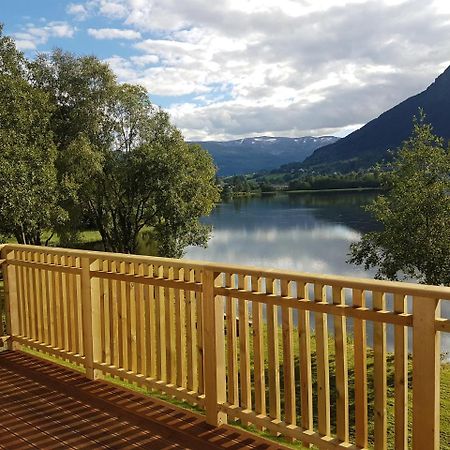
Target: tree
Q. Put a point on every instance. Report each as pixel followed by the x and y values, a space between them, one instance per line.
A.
pixel 80 90
pixel 29 192
pixel 150 178
pixel 81 148
pixel 138 173
pixel 414 212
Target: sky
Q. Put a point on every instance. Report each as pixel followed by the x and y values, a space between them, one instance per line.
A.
pixel 235 68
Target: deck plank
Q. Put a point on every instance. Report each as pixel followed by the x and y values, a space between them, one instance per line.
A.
pixel 44 405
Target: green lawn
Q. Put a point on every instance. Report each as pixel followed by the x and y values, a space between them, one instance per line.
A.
pixel 91 240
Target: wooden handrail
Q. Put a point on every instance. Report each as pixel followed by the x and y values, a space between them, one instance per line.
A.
pixel 233 340
pixel 394 287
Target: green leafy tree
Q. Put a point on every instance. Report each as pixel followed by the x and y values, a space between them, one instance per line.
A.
pixel 116 163
pixel 152 178
pixel 80 89
pixel 28 178
pixel 146 176
pixel 414 212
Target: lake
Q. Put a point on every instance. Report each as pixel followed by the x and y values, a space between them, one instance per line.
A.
pixel 308 232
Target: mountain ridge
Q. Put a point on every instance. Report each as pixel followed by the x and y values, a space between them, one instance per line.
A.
pixel 254 154
pixel 370 143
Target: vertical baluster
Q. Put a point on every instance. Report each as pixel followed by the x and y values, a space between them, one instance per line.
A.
pixel 64 303
pixel 258 351
pixel 129 308
pixel 288 358
pixel 71 296
pixel 109 337
pixel 120 317
pixel 103 325
pixel 169 313
pixel 114 319
pixel 37 275
pixel 340 339
pixel 131 321
pixel 244 349
pixel 180 326
pixel 58 303
pixel 76 307
pixel 232 361
pixel 70 305
pixel 26 296
pixel 323 372
pixel 401 377
pixel 200 344
pixel 273 357
pixel 304 337
pixel 20 294
pixel 32 296
pixel 380 374
pixel 140 320
pixel 153 344
pixel 149 306
pixel 44 301
pixel 52 340
pixel 107 314
pixel 191 337
pixel 360 339
pixel 160 329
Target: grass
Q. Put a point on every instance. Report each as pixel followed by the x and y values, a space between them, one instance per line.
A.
pixel 92 240
pixel 85 238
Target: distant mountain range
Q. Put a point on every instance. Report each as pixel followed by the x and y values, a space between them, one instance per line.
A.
pixel 250 155
pixel 369 144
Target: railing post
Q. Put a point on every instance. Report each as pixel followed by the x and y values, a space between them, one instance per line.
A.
pixel 11 299
pixel 426 374
pixel 214 351
pixel 90 298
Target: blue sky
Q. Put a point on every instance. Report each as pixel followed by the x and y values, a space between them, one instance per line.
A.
pixel 236 68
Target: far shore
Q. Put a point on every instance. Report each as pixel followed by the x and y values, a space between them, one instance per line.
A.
pixel 304 191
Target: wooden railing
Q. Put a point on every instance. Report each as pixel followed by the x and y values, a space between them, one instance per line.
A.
pixel 292 353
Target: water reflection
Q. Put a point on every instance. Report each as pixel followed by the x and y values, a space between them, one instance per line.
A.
pixel 304 232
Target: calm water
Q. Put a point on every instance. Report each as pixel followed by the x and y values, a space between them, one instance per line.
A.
pixel 304 232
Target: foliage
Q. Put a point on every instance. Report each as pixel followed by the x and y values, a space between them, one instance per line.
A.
pixel 29 194
pixel 80 150
pixel 123 166
pixel 80 89
pixel 415 241
pixel 336 181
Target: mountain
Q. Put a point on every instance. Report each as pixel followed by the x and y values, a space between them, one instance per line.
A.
pixel 370 143
pixel 250 155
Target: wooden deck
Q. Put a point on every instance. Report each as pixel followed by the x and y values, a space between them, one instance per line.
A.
pixel 46 406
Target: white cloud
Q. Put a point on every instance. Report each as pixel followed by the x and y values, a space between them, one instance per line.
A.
pixel 112 9
pixel 144 59
pixel 280 67
pixel 79 11
pixel 33 36
pixel 113 33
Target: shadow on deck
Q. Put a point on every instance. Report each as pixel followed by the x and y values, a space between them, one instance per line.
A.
pixel 46 406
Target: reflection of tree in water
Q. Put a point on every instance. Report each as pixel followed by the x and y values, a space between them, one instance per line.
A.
pixel 292 210
pixel 346 208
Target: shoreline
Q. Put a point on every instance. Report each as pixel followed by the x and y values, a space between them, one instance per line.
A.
pixel 302 191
